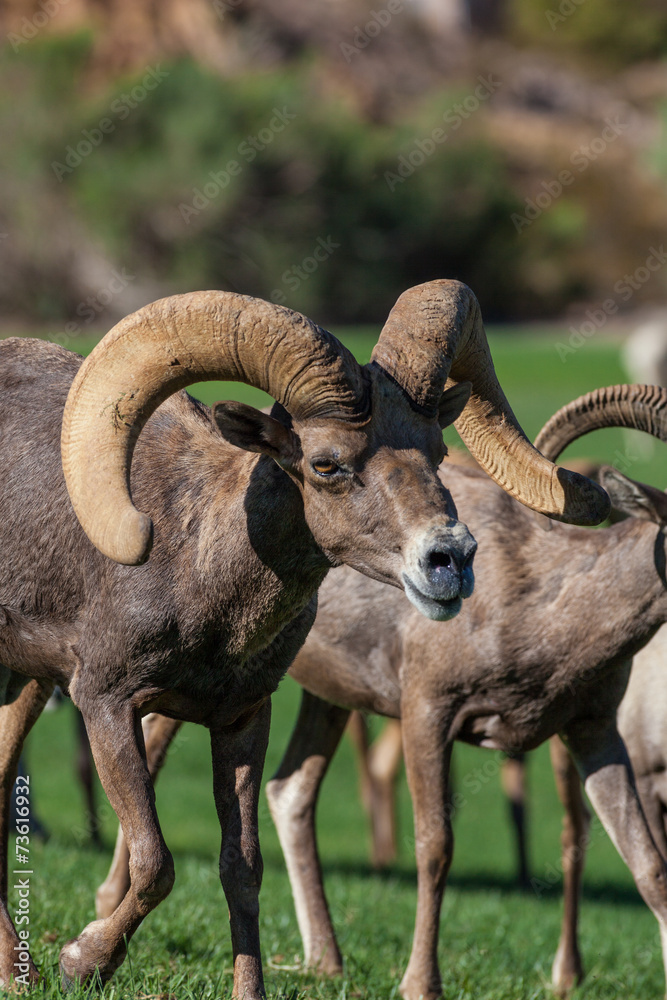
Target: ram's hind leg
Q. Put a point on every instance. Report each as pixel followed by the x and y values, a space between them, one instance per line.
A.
pixel 17 718
pixel 159 731
pixel 513 780
pixel 292 795
pixel 379 764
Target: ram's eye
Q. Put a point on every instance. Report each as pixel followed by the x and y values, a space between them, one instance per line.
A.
pixel 325 468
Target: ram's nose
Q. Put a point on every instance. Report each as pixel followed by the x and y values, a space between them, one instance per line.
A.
pixel 451 570
pixel 439 574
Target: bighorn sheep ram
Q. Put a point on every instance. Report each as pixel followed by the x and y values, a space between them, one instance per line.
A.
pixel 525 659
pixel 250 512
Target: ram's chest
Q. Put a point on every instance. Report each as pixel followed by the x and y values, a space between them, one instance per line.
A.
pixel 216 687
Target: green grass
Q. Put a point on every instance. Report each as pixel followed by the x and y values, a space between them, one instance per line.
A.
pixel 496 943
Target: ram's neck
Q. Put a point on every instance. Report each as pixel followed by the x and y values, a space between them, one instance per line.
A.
pixel 229 531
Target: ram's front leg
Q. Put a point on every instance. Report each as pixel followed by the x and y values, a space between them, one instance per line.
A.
pixel 158 732
pixel 427 758
pixel 238 759
pixel 603 762
pixel 116 740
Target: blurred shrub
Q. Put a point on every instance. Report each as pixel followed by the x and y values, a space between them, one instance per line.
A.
pixel 611 32
pixel 310 183
pixel 267 185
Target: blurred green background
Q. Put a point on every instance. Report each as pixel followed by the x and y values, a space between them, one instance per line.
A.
pixel 120 122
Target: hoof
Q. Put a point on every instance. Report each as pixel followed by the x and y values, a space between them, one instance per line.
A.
pixel 69 962
pixel 68 984
pixel 329 967
pixel 85 958
pixel 566 973
pixel 410 990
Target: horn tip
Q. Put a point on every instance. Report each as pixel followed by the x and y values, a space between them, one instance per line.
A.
pixel 585 502
pixel 133 542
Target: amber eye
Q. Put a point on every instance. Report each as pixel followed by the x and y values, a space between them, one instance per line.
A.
pixel 324 467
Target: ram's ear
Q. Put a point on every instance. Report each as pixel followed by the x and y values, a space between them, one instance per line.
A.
pixel 633 498
pixel 250 429
pixel 452 403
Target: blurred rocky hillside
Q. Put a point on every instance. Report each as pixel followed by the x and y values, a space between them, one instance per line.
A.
pixel 327 154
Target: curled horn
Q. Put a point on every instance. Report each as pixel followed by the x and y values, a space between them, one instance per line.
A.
pixel 435 333
pixel 164 347
pixel 642 407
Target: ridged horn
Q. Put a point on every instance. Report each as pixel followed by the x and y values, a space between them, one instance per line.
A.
pixel 164 347
pixel 435 333
pixel 641 407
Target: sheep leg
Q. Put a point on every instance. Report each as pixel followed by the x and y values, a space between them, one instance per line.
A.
pixel 357 730
pixel 16 720
pixel 385 758
pixel 117 743
pixel 379 771
pixel 427 758
pixel 86 773
pixel 568 969
pixel 238 759
pixel 603 762
pixel 513 780
pixel 652 799
pixel 159 732
pixel 292 795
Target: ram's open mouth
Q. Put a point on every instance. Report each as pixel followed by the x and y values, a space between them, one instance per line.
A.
pixel 437 609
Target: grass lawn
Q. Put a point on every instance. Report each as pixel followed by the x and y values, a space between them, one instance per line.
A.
pixel 496 942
